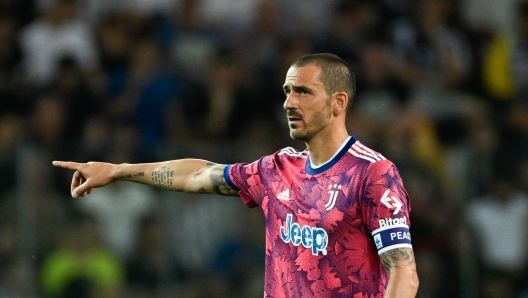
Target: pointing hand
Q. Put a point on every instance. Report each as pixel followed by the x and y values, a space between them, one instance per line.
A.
pixel 87 176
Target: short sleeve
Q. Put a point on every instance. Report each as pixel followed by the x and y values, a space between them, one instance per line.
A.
pixel 385 206
pixel 246 179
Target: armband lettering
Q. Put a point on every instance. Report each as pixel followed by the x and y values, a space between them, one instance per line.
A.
pixel 391 237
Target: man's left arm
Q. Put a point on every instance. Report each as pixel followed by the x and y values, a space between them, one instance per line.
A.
pixel 401 267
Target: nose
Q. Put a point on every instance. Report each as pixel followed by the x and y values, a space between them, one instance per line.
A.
pixel 291 101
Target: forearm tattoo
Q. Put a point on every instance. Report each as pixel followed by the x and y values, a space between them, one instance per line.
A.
pixel 396 258
pixel 128 176
pixel 163 177
pixel 218 181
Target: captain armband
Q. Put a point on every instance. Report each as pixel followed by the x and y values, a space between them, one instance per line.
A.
pixel 391 237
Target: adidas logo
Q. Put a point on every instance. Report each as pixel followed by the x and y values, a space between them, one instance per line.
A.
pixel 284 196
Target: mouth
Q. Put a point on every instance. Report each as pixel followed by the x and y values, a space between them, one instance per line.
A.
pixel 294 117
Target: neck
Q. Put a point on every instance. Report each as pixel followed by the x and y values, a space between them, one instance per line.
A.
pixel 324 146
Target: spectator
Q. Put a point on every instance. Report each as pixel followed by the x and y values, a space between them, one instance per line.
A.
pixel 228 104
pixel 77 95
pixel 513 146
pixel 355 24
pixel 97 10
pixel 297 18
pixel 142 94
pixel 505 68
pixel 11 131
pixel 226 16
pixel 81 266
pixel 382 95
pixel 71 37
pixel 150 267
pixel 8 252
pixel 47 125
pixel 118 212
pixel 114 43
pixel 499 220
pixel 488 15
pixel 10 58
pixel 430 52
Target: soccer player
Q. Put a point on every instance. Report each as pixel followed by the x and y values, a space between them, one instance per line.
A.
pixel 337 214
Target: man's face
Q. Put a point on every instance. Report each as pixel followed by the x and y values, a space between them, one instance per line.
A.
pixel 307 105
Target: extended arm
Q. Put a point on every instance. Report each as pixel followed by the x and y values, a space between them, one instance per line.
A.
pixel 401 266
pixel 185 175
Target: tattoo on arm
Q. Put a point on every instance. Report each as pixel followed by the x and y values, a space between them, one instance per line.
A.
pixel 140 174
pixel 163 177
pixel 218 181
pixel 396 258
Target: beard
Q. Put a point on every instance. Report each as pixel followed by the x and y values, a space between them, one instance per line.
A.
pixel 311 126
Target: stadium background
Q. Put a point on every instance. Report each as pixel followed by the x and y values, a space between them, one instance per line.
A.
pixel 442 92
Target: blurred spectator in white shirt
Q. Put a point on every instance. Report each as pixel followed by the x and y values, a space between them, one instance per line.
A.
pixel 499 220
pixel 56 34
pixel 119 211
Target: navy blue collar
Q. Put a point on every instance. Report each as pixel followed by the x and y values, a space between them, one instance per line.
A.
pixel 331 162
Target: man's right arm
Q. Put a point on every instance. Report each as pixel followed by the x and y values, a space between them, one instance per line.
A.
pixel 184 175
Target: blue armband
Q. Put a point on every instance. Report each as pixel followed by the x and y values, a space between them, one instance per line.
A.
pixel 390 237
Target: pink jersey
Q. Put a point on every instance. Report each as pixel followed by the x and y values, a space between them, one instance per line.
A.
pixel 326 225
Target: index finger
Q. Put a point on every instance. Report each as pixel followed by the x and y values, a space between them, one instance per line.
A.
pixel 67 164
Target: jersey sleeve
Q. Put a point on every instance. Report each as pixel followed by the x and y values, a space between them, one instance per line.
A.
pixel 385 207
pixel 246 180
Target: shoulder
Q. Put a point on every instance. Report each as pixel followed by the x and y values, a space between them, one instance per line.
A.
pixel 373 162
pixel 284 159
pixel 282 156
pixel 291 153
pixel 361 151
pixel 290 159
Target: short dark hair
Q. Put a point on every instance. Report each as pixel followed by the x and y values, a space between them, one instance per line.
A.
pixel 336 75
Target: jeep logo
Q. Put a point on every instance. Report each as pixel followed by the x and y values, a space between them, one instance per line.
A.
pixel 314 238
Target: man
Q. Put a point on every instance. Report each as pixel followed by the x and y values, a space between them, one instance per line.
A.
pixel 330 210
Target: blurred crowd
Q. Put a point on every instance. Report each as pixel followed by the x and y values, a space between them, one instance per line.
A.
pixel 442 91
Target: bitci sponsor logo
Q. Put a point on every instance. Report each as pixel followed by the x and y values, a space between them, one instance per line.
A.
pixel 385 222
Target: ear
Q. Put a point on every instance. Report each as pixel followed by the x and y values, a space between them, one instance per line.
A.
pixel 341 100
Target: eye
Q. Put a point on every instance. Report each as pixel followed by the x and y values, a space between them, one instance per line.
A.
pixel 303 91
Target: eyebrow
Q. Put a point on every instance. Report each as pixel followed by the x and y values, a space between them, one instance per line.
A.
pixel 296 88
